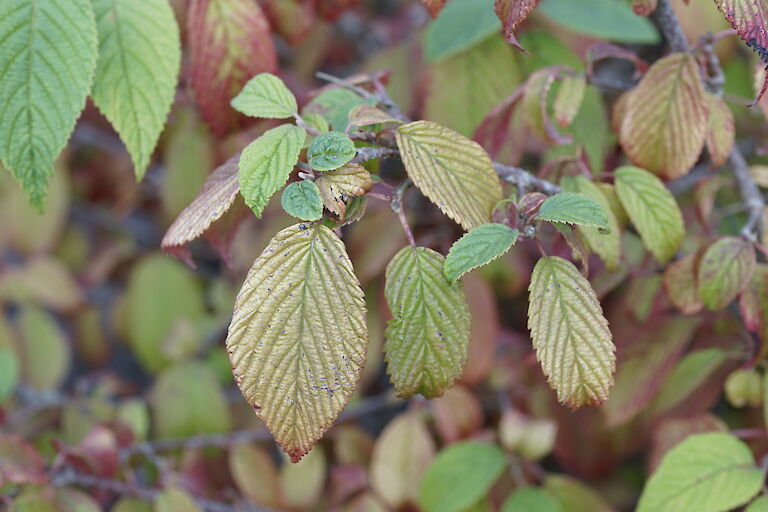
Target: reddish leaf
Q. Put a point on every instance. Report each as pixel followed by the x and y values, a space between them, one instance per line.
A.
pixel 512 13
pixel 20 463
pixel 229 42
pixel 721 130
pixel 330 10
pixel 494 131
pixel 292 19
pixel 681 287
pixel 644 7
pixel 434 6
pixel 750 19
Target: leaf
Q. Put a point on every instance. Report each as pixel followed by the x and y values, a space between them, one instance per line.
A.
pixel 607 245
pixel 603 19
pixel 569 98
pixel 644 366
pixel 366 115
pixel 759 505
pixel 335 105
pixel 49 56
pixel 175 499
pixel 139 60
pixel 461 25
pixel 298 335
pixel 454 172
pixel 265 95
pixel 744 387
pixel 681 286
pixel 20 463
pixel 434 6
pixel 721 131
pixel 254 473
pixel 427 338
pixel 573 496
pixel 535 105
pixel 292 19
pixel 753 302
pixel 652 209
pixel 749 18
pixel 665 118
pixel 570 334
pixel 266 164
pixel 706 472
pixel 229 42
pixel 339 186
pixel 460 475
pixel 530 499
pixel 402 454
pixel 187 400
pixel 330 150
pixel 479 246
pixel 724 270
pixel 41 334
pixel 302 200
pixel 215 198
pixel 573 208
pixel 693 371
pixel 512 13
pixel 302 483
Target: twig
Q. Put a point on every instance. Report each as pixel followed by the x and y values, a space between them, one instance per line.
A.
pixel 397 206
pixel 524 179
pixel 664 16
pixel 345 84
pixel 371 153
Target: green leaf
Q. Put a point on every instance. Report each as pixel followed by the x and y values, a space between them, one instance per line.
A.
pixel 454 172
pixel 708 472
pixel 607 245
pixel 302 200
pixel 530 499
pixel 45 350
pixel 570 334
pixel 693 371
pixel 330 150
pixel 604 19
pixel 460 475
pixel 759 505
pixel 725 269
pixel 574 496
pixel 334 105
pixel 265 95
pixel 573 208
pixel 652 209
pixel 49 52
pixel 266 164
pixel 681 285
pixel 427 338
pixel 461 25
pixel 139 60
pixel 175 499
pixel 9 362
pixel 479 246
pixel 298 336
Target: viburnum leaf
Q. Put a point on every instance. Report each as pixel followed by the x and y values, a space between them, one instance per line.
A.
pixel 721 131
pixel 479 246
pixel 175 499
pixel 706 472
pixel 330 150
pixel 335 105
pixel 229 42
pixel 139 60
pixel 298 336
pixel 512 13
pixel 686 378
pixel 434 6
pixel 606 244
pixel 643 367
pixel 530 499
pixel 680 283
pixel 366 115
pixel 267 162
pixel 49 52
pixel 454 172
pixel 573 208
pixel 339 186
pixel 753 302
pixel 427 338
pixel 302 200
pixel 759 505
pixel 569 98
pixel 461 25
pixel 214 200
pixel 750 19
pixel 20 463
pixel 535 105
pixel 665 117
pixel 652 209
pixel 570 333
pixel 724 270
pixel 265 95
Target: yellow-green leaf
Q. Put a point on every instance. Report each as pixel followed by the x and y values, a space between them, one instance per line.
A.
pixel 573 208
pixel 265 95
pixel 570 334
pixel 298 335
pixel 681 285
pixel 652 209
pixel 267 162
pixel 428 337
pixel 451 170
pixel 139 60
pixel 175 500
pixel 49 52
pixel 665 117
pixel 721 130
pixel 338 187
pixel 568 100
pixel 725 269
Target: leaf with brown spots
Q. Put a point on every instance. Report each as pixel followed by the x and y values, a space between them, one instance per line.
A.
pixel 512 13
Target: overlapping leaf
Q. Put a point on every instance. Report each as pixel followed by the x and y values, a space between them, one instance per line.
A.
pixel 569 98
pixel 428 337
pixel 302 200
pixel 339 186
pixel 753 302
pixel 665 117
pixel 512 13
pixel 680 283
pixel 267 162
pixel 298 335
pixel 570 333
pixel 535 105
pixel 451 170
pixel 706 472
pixel 330 150
pixel 49 52
pixel 139 60
pixel 721 130
pixel 265 95
pixel 573 208
pixel 229 42
pixel 725 269
pixel 479 246
pixel 652 209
